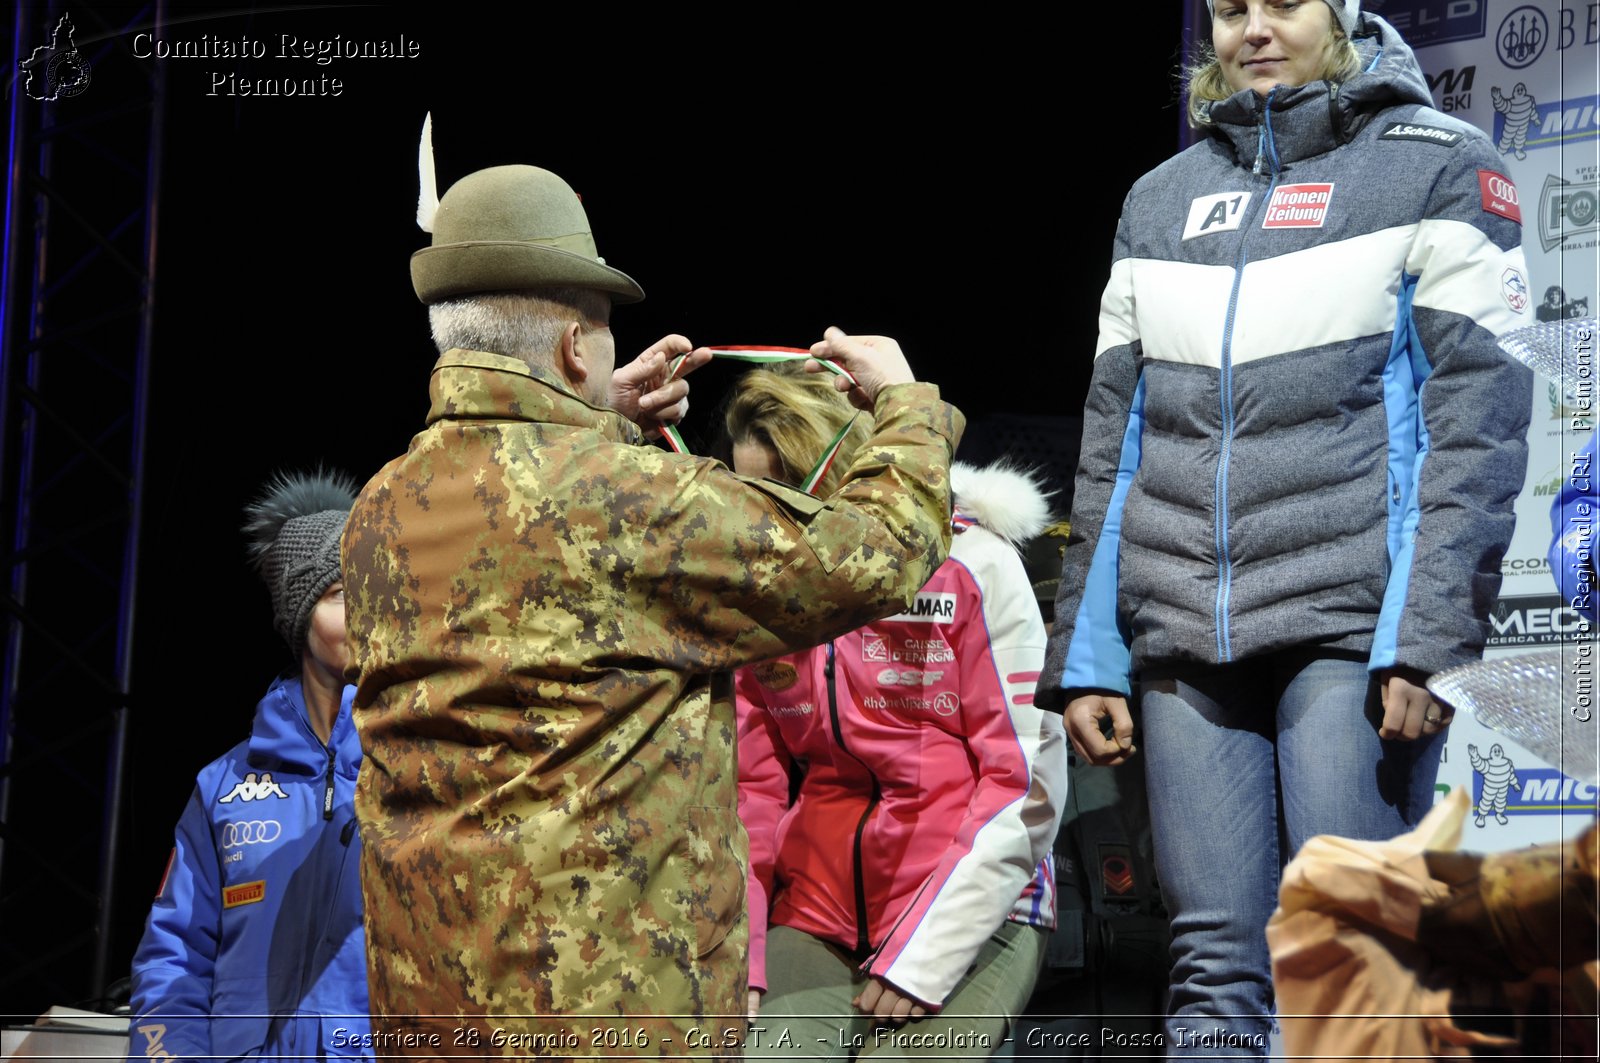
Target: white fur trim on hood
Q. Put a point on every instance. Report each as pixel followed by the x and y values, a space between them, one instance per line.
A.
pixel 1005 499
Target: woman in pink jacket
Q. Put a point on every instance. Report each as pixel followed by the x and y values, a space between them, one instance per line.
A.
pixel 899 787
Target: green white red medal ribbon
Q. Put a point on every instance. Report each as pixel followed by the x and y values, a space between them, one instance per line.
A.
pixel 771 356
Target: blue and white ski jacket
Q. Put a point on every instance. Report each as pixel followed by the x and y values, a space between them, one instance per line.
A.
pixel 1300 431
pixel 254 947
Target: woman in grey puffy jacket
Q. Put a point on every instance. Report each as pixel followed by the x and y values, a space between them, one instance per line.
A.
pixel 1301 446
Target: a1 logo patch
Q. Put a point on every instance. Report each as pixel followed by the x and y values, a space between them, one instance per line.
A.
pixel 1220 213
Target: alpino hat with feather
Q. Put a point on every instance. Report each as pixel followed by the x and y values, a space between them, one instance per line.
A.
pixel 507 228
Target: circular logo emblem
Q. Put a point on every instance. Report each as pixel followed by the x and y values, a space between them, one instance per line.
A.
pixel 1521 38
pixel 250 832
pixel 946 703
pixel 776 675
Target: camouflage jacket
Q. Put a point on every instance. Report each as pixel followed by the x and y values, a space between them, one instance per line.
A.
pixel 543 615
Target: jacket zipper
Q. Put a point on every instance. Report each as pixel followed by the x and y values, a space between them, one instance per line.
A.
pixel 1264 147
pixel 863 939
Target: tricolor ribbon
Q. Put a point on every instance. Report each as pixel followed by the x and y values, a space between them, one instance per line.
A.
pixel 770 356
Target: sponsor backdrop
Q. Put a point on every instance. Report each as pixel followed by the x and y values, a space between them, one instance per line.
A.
pixel 1527 74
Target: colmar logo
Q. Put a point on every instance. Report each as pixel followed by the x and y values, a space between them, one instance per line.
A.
pixel 1221 213
pixel 244 893
pixel 1499 195
pixel 1303 206
pixel 252 790
pixel 930 608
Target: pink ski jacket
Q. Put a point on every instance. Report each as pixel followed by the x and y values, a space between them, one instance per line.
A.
pixel 927 785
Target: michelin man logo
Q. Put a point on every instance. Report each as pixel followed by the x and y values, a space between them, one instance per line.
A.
pixel 253 790
pixel 1499 776
pixel 1521 110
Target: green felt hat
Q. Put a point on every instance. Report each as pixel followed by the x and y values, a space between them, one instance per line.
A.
pixel 509 228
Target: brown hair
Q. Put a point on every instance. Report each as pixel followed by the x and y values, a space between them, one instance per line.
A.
pixel 796 414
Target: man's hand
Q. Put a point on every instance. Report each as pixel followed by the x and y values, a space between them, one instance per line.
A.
pixel 885 1003
pixel 875 362
pixel 1409 711
pixel 1083 727
pixel 641 392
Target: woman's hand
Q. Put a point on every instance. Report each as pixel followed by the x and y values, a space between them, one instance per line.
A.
pixel 752 1007
pixel 886 1004
pixel 1409 711
pixel 1083 727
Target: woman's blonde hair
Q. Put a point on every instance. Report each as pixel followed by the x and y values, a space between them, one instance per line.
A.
pixel 1205 84
pixel 796 414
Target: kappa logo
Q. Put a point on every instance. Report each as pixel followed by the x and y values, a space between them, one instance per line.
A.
pixel 1499 195
pixel 252 789
pixel 910 677
pixel 1428 134
pixel 1514 287
pixel 874 650
pixel 930 608
pixel 245 893
pixel 250 832
pixel 1303 206
pixel 1221 213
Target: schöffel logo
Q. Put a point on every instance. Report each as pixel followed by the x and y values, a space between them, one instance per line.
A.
pixel 250 832
pixel 1521 38
pixel 1298 207
pixel 1424 22
pixel 1427 133
pixel 1536 620
pixel 244 893
pixel 1567 209
pixel 1544 792
pixel 1553 124
pixel 930 608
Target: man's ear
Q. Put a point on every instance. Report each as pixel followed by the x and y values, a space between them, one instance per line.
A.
pixel 573 366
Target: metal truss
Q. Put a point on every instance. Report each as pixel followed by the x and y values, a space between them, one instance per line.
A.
pixel 76 304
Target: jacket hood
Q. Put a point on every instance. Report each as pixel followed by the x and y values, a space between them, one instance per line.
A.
pixel 1005 499
pixel 1320 115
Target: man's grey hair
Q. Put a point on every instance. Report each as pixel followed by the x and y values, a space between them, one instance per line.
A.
pixel 526 325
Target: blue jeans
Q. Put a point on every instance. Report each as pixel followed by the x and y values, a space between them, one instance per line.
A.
pixel 1243 763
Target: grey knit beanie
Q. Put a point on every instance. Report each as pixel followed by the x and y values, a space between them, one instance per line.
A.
pixel 1346 11
pixel 293 531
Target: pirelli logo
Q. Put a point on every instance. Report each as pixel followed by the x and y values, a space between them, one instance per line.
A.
pixel 244 893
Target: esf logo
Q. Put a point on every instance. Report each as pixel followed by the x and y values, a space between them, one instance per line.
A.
pixel 1437 21
pixel 1567 209
pixel 1543 792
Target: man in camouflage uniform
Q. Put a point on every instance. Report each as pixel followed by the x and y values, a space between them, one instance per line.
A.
pixel 544 613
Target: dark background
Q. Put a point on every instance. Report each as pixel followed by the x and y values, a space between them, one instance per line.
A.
pixel 763 173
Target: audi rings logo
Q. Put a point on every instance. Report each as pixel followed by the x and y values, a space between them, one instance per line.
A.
pixel 250 832
pixel 1500 188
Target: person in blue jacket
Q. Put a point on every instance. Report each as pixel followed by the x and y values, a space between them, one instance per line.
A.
pixel 254 947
